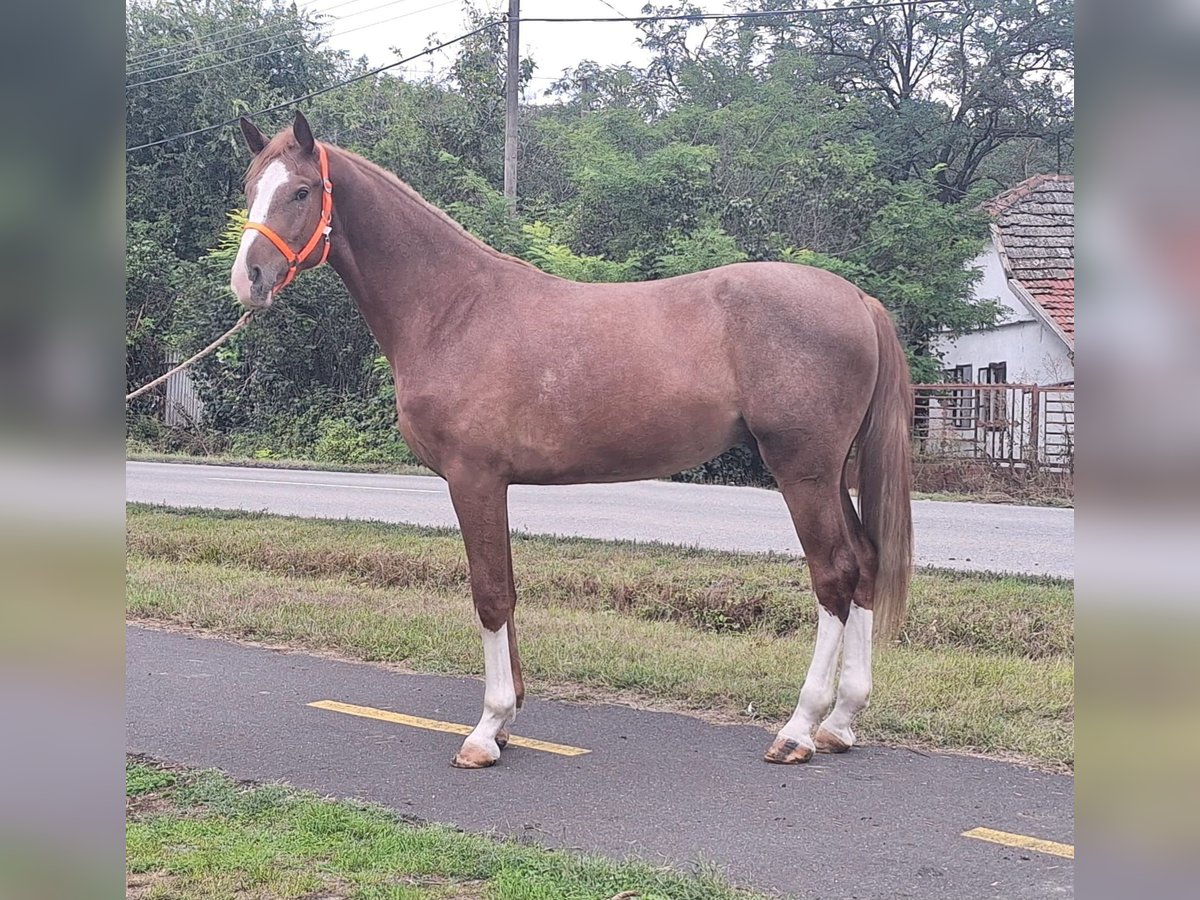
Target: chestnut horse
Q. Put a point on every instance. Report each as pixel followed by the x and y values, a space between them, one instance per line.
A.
pixel 507 375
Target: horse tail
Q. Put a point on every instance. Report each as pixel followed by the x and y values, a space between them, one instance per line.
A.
pixel 885 476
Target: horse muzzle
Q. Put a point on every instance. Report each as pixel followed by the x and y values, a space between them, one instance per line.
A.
pixel 254 285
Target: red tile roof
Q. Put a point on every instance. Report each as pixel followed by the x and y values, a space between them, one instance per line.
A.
pixel 1035 228
pixel 1057 297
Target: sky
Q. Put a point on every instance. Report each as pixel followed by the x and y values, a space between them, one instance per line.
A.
pixel 374 28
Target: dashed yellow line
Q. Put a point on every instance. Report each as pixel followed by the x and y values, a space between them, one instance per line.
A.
pixel 1022 841
pixel 383 715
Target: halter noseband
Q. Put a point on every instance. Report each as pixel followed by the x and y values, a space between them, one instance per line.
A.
pixel 324 226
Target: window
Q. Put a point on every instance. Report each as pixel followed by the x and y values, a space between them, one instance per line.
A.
pixel 993 406
pixel 994 373
pixel 961 404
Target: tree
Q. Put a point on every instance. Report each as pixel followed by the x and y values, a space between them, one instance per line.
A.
pixel 180 77
pixel 949 84
pixel 913 257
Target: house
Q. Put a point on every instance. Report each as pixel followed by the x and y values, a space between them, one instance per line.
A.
pixel 1028 266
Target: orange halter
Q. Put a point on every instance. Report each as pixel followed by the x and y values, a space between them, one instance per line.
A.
pixel 324 226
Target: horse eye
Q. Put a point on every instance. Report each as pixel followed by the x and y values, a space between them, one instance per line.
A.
pixel 302 193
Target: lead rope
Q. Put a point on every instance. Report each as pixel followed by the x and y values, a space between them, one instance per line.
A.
pixel 241 323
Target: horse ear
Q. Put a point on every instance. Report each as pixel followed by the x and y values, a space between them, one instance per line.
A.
pixel 303 133
pixel 255 139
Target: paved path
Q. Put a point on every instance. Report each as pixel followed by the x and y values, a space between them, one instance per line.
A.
pixel 968 536
pixel 873 823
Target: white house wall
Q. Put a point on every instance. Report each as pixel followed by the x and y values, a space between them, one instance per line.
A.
pixel 1032 352
pixel 993 285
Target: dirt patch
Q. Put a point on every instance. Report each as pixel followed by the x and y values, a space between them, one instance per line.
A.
pixel 147 806
pixel 143 884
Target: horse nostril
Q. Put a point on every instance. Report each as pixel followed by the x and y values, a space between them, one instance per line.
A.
pixel 255 274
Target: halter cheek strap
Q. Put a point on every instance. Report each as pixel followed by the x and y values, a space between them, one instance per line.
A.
pixel 321 233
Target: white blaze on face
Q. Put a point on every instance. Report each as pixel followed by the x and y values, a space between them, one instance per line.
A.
pixel 274 177
pixel 499 695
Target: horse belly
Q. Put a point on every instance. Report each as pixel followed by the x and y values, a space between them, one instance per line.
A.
pixel 648 432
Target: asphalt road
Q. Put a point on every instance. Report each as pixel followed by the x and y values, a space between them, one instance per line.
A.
pixel 966 536
pixel 874 823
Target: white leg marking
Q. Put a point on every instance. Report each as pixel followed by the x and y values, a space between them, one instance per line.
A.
pixel 499 695
pixel 854 690
pixel 273 178
pixel 817 693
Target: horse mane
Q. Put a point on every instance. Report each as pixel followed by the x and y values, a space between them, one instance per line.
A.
pixel 411 193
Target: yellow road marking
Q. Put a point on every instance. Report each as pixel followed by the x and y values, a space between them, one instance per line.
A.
pixel 368 712
pixel 1022 841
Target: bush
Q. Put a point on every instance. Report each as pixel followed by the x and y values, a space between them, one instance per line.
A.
pixel 344 440
pixel 740 465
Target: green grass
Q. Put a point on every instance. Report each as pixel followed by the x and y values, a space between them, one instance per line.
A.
pixel 996 497
pixel 227 459
pixel 201 835
pixel 984 664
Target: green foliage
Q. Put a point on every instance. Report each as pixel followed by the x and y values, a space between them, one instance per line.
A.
pixel 912 258
pixel 738 465
pixel 230 239
pixel 346 440
pixel 154 279
pixel 705 248
pixel 544 252
pixel 142 779
pixel 625 201
pixel 951 85
pixel 186 187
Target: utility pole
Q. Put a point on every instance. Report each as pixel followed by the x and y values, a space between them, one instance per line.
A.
pixel 511 83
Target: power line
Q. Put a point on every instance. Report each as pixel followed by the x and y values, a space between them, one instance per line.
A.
pixel 319 92
pixel 279 31
pixel 617 11
pixel 265 33
pixel 181 48
pixel 749 16
pixel 274 50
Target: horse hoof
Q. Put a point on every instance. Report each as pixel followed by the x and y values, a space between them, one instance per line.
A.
pixel 828 742
pixel 472 756
pixel 786 752
pixel 502 739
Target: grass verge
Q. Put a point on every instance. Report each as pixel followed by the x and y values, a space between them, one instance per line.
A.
pixel 252 462
pixel 984 665
pixel 202 835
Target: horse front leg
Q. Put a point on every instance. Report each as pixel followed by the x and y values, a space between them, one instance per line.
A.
pixel 482 509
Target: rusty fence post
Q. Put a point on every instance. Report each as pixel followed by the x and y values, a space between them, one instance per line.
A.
pixel 1035 409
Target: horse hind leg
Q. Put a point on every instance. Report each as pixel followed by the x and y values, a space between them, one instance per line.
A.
pixel 816 511
pixel 836 733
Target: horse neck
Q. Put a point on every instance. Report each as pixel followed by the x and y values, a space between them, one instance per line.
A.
pixel 409 267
